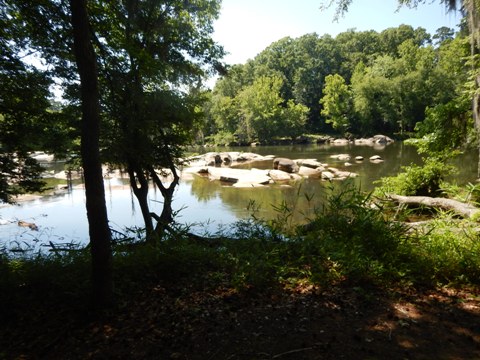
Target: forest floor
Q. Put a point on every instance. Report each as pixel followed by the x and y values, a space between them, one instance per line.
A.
pixel 194 321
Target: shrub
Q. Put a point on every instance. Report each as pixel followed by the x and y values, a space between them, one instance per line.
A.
pixel 418 180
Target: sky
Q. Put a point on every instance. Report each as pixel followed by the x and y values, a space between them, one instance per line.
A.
pixel 246 27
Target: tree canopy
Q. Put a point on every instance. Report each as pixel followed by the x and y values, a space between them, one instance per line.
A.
pixel 364 82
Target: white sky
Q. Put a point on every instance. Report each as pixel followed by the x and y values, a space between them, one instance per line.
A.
pixel 246 27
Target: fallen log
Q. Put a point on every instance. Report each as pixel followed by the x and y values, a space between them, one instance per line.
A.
pixel 460 208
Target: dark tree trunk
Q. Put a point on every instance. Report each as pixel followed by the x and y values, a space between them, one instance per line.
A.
pixel 139 185
pixel 167 192
pixel 476 118
pixel 100 236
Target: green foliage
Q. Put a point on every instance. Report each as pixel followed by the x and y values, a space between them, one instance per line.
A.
pixel 222 138
pixel 391 77
pixel 42 279
pixel 337 102
pixel 257 113
pixel 446 126
pixel 425 180
pixel 26 122
pixel 347 239
pixel 469 193
pixel 354 237
pixel 446 252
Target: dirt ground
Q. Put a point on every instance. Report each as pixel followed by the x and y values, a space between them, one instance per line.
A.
pixel 341 322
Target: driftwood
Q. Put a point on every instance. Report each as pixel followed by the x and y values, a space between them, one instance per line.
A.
pixel 460 208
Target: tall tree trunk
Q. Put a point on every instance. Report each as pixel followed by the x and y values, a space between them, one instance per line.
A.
pixel 476 118
pixel 473 24
pixel 100 236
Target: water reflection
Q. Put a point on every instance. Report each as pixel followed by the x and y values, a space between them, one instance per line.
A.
pixel 210 205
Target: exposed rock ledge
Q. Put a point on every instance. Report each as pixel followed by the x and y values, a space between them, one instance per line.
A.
pixel 217 166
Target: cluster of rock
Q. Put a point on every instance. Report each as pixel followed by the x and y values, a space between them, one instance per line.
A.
pixel 372 141
pixel 283 169
pixel 225 158
pixel 347 158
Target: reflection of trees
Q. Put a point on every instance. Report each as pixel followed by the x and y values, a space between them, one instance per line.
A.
pixel 268 199
pixel 296 197
pixel 204 189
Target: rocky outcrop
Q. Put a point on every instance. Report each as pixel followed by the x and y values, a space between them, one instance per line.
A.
pixel 374 140
pixel 376 159
pixel 284 164
pixel 341 175
pixel 311 172
pixel 341 157
pixel 223 159
pixel 284 170
pixel 311 163
pixel 279 176
pixel 242 176
pixel 341 142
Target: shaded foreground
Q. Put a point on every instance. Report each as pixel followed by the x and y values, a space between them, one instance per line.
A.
pixel 350 285
pixel 187 321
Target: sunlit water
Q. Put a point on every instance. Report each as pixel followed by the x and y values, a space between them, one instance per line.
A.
pixel 207 206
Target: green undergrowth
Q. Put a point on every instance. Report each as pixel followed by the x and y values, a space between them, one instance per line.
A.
pixel 347 239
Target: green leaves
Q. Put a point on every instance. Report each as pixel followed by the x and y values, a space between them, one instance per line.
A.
pixel 337 102
pixel 264 114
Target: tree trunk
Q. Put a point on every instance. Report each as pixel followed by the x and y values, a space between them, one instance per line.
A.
pixel 139 185
pixel 99 231
pixel 476 118
pixel 463 209
pixel 167 192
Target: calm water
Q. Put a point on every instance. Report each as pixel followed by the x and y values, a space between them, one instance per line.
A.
pixel 207 205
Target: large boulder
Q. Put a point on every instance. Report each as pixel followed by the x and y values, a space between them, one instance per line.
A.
pixel 247 157
pixel 311 163
pixel 309 172
pixel 213 159
pixel 279 175
pixel 341 141
pixel 382 139
pixel 341 175
pixel 327 175
pixel 341 157
pixel 243 176
pixel 284 164
pixel 376 159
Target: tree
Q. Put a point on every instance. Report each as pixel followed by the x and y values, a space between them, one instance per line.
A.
pixel 100 237
pixel 471 9
pixel 373 94
pixel 23 105
pixel 264 115
pixel 149 54
pixel 337 102
pixel 443 34
pixel 27 121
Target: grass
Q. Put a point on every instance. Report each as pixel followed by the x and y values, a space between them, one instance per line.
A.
pixel 347 240
pixel 352 241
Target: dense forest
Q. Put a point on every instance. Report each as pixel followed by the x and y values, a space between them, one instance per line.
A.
pixel 120 85
pixel 401 81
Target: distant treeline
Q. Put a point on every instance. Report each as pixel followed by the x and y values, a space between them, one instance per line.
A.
pixel 358 83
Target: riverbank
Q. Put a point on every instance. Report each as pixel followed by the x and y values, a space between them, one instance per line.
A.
pixel 354 284
pixel 191 304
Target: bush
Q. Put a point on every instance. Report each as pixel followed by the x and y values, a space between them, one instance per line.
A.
pixel 355 236
pixel 416 180
pixel 222 138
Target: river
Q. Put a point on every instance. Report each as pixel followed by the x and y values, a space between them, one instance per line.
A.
pixel 207 206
